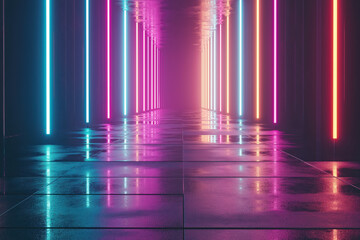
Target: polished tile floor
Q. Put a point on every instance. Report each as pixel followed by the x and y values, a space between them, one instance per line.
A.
pixel 162 175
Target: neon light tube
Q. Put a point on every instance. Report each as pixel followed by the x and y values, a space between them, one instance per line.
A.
pixel 137 68
pixel 257 59
pixel 158 65
pixel 125 59
pixel 108 12
pixel 220 72
pixel 275 61
pixel 215 65
pixel 144 56
pixel 211 74
pixel 48 67
pixel 148 72
pixel 335 70
pixel 152 75
pixel 87 82
pixel 227 66
pixel 155 87
pixel 208 74
pixel 202 76
pixel 240 58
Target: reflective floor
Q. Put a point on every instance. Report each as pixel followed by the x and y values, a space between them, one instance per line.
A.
pixel 163 175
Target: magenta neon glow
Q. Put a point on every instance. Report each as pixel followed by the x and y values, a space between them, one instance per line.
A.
pixel 152 75
pixel 144 71
pixel 108 88
pixel 137 67
pixel 158 77
pixel 275 61
pixel 148 74
pixel 155 78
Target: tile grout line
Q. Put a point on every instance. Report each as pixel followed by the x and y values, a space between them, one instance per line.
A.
pixel 321 170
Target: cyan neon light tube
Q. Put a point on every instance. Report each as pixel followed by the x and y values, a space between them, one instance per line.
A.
pixel 87 73
pixel 48 66
pixel 241 57
pixel 125 59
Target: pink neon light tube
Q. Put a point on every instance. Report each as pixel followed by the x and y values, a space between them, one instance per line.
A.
pixel 144 54
pixel 137 67
pixel 108 88
pixel 275 61
pixel 152 74
pixel 148 74
pixel 158 77
pixel 155 81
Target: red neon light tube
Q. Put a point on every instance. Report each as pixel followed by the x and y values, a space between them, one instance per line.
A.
pixel 335 71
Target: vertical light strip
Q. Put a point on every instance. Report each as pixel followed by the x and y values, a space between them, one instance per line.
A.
pixel 152 75
pixel 211 73
pixel 108 12
pixel 215 72
pixel 125 58
pixel 159 88
pixel 3 73
pixel 48 66
pixel 257 59
pixel 156 76
pixel 148 73
pixel 335 69
pixel 208 74
pixel 87 74
pixel 144 67
pixel 227 66
pixel 275 61
pixel 202 73
pixel 220 68
pixel 137 67
pixel 240 58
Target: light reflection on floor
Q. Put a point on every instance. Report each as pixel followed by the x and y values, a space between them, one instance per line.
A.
pixel 161 175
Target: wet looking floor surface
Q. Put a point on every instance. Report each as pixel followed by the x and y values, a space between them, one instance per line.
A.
pixel 162 175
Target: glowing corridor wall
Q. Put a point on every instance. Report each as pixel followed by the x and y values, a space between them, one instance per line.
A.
pixel 287 63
